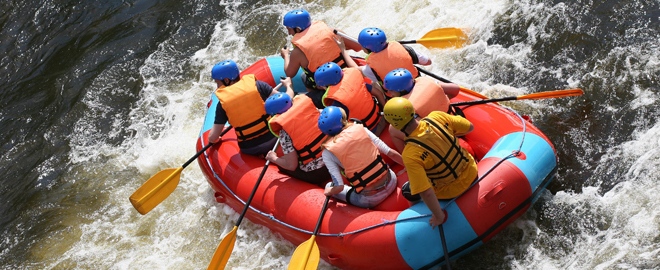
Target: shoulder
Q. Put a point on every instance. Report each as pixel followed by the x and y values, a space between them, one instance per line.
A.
pixel 262 84
pixel 438 116
pixel 264 88
pixel 443 118
pixel 411 153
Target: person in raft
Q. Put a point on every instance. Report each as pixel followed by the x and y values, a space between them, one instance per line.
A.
pixel 353 151
pixel 438 167
pixel 384 56
pixel 313 45
pixel 242 105
pixel 349 89
pixel 426 95
pixel 300 138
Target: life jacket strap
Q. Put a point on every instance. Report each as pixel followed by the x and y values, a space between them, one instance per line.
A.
pixel 243 136
pixel 310 151
pixel 360 183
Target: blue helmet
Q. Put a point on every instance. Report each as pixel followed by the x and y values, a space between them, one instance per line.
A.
pixel 278 103
pixel 331 120
pixel 297 18
pixel 373 39
pixel 225 70
pixel 399 80
pixel 328 74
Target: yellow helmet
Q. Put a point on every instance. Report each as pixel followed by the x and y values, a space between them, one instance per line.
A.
pixel 398 112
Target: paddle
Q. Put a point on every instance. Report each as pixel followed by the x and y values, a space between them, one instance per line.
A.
pixel 540 95
pixel 433 75
pixel 161 185
pixel 436 38
pixel 444 246
pixel 441 38
pixel 306 255
pixel 223 252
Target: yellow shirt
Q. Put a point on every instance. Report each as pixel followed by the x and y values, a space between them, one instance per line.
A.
pixel 419 160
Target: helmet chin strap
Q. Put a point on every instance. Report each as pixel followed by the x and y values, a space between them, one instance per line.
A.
pixel 403 129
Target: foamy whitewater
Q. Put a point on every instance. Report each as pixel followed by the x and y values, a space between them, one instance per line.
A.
pixel 610 221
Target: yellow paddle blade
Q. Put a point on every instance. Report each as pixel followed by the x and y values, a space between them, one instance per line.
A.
pixel 155 190
pixel 223 252
pixel 306 256
pixel 444 38
pixel 553 94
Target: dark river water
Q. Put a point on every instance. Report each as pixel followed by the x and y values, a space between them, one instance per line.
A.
pixel 97 96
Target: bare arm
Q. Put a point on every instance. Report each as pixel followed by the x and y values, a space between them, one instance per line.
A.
pixel 394 155
pixel 380 96
pixel 286 82
pixel 438 216
pixel 292 61
pixel 347 57
pixel 288 161
pixel 352 44
pixel 214 134
pixel 451 89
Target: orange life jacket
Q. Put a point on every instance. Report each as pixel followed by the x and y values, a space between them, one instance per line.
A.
pixel 318 44
pixel 352 92
pixel 300 123
pixel 393 57
pixel 363 165
pixel 428 96
pixel 245 108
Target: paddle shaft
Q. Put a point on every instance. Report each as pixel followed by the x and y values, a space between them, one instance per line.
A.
pixel 204 149
pixel 303 254
pixel 256 186
pixel 345 36
pixel 323 210
pixel 483 101
pixel 433 75
pixel 444 246
pixel 415 41
pixel 539 95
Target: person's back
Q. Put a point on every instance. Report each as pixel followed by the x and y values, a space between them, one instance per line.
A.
pixel 425 93
pixel 347 89
pixel 446 164
pixel 353 151
pixel 300 138
pixel 314 44
pixel 438 167
pixel 243 106
pixel 241 103
pixel 386 56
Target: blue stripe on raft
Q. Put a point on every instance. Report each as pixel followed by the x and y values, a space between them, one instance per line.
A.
pixel 210 115
pixel 539 161
pixel 276 65
pixel 419 244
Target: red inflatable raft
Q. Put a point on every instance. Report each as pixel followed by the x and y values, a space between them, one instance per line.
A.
pixel 516 162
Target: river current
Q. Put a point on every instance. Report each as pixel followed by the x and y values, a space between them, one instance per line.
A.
pixel 98 96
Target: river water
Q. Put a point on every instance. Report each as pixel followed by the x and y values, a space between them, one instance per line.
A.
pixel 97 96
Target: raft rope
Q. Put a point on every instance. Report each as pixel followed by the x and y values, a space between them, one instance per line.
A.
pixel 385 222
